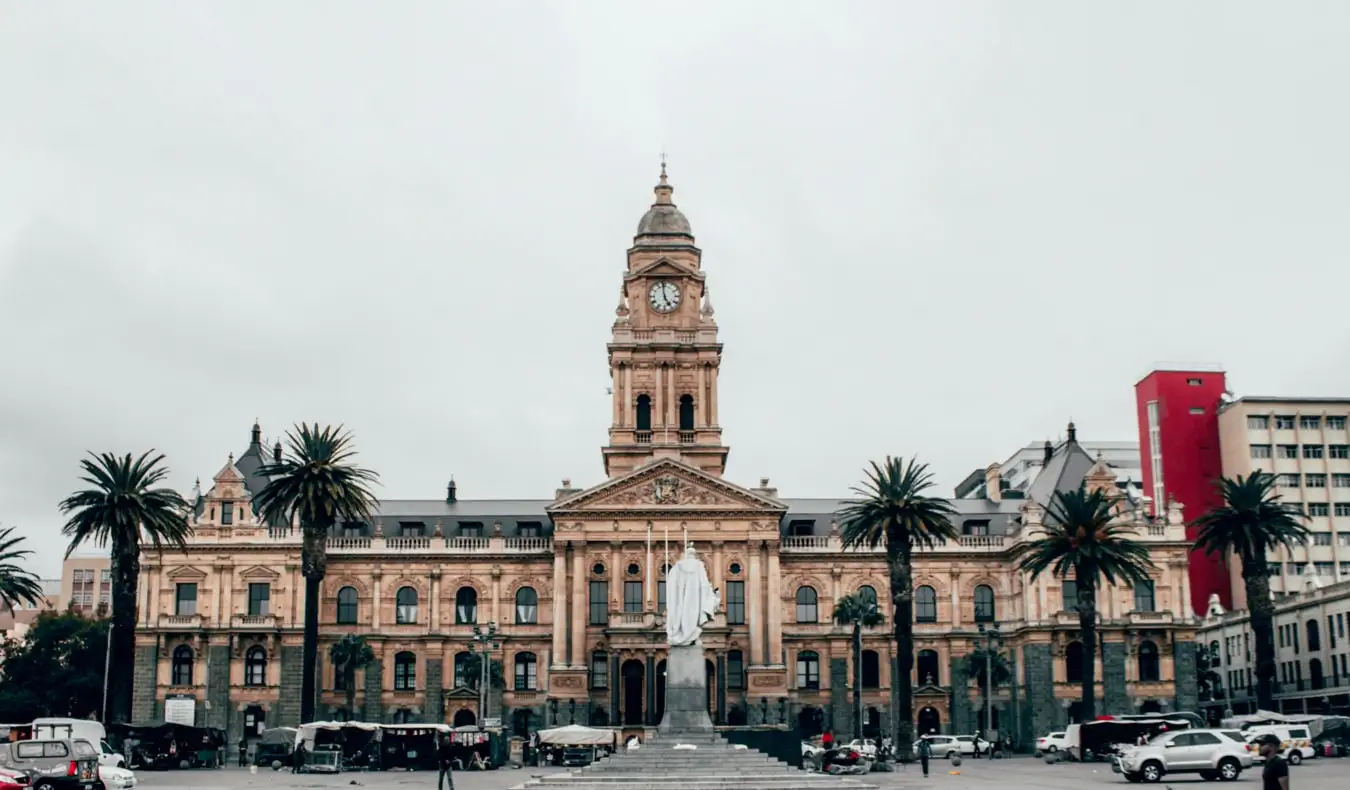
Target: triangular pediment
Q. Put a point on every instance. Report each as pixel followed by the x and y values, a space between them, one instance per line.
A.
pixel 260 573
pixel 663 266
pixel 463 692
pixel 186 572
pixel 229 473
pixel 668 484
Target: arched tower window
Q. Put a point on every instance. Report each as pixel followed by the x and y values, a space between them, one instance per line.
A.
pixel 182 666
pixel 686 412
pixel 405 671
pixel 871 669
pixel 466 606
pixel 347 604
pixel 405 609
pixel 644 413
pixel 527 606
pixel 927 666
pixel 1149 670
pixel 806 605
pixel 984 604
pixel 925 605
pixel 255 667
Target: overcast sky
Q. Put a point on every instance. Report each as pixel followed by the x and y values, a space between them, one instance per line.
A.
pixel 940 228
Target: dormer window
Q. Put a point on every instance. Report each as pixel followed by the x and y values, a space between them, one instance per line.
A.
pixel 975 527
pixel 801 528
pixel 226 513
pixel 530 529
pixel 412 529
pixel 471 529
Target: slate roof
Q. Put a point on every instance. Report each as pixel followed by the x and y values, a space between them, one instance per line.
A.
pixel 1000 515
pixel 1063 472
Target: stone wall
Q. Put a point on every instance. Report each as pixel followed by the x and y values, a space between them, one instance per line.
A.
pixel 434 707
pixel 1043 711
pixel 288 697
pixel 372 708
pixel 145 680
pixel 217 690
pixel 1187 681
pixel 841 704
pixel 1114 701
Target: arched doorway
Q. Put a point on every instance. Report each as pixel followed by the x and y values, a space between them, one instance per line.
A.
pixel 254 721
pixel 930 721
pixel 872 723
pixel 465 718
pixel 711 672
pixel 1150 706
pixel 633 674
pixel 599 718
pixel 811 722
pixel 660 710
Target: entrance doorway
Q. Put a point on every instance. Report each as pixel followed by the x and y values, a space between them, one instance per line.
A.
pixel 633 675
pixel 872 723
pixel 930 721
pixel 254 721
pixel 811 722
pixel 465 718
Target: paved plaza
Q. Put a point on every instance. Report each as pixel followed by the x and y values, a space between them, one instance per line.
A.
pixel 1017 774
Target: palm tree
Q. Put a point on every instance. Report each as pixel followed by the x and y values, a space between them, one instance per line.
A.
pixel 1251 523
pixel 893 510
pixel 1082 538
pixel 316 484
pixel 122 507
pixel 999 672
pixel 349 654
pixel 17 583
pixel 859 611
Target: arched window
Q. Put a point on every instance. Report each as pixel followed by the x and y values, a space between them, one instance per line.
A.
pixel 527 606
pixel 925 605
pixel 928 670
pixel 182 666
pixel 1148 661
pixel 735 669
pixel 644 413
pixel 686 413
pixel 808 670
pixel 1073 662
pixel 871 669
pixel 405 609
pixel 868 594
pixel 807 609
pixel 463 671
pixel 984 604
pixel 255 666
pixel 466 606
pixel 1314 637
pixel 405 671
pixel 347 606
pixel 527 672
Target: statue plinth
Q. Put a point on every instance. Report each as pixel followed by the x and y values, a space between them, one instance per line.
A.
pixel 686 692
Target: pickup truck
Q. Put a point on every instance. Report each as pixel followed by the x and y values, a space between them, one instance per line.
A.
pixel 58 764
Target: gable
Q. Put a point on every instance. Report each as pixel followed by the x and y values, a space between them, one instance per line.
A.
pixel 186 573
pixel 667 483
pixel 663 266
pixel 260 573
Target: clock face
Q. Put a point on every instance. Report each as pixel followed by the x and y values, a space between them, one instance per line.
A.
pixel 665 296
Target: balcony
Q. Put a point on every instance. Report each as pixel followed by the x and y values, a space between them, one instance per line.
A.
pixel 347 546
pixel 407 544
pixel 686 437
pixel 632 621
pixel 642 437
pixel 180 621
pixel 826 544
pixel 1149 618
pixel 254 621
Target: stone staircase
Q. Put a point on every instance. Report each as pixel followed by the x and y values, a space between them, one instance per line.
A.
pixel 714 765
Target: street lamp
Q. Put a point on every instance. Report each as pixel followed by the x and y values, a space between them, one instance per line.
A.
pixel 992 636
pixel 484 640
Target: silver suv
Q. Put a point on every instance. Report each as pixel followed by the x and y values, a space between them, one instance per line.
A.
pixel 1214 754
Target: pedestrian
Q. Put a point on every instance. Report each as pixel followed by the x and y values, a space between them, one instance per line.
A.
pixel 445 755
pixel 827 740
pixel 1275 776
pixel 298 759
pixel 243 752
pixel 925 753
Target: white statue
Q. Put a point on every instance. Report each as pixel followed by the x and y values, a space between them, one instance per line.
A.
pixel 691 600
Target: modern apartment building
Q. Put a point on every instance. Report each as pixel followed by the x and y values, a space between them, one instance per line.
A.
pixel 1177 408
pixel 86 583
pixel 1305 444
pixel 1312 654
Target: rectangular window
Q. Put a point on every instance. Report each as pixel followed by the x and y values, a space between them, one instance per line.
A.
pixel 661 597
pixel 412 529
pixel 226 513
pixel 1324 568
pixel 1338 451
pixel 1155 455
pixel 1315 481
pixel 1340 625
pixel 1331 631
pixel 1287 481
pixel 1335 423
pixel 530 529
pixel 1260 451
pixel 1340 481
pixel 1293 636
pixel 259 597
pixel 801 528
pixel 1070 591
pixel 1287 451
pixel 1284 422
pixel 599 670
pixel 105 587
pixel 1258 422
pixel 1321 538
pixel 1193 382
pixel 735 603
pixel 471 529
pixel 735 670
pixel 632 596
pixel 1313 450
pixel 1319 509
pixel 82 588
pixel 185 599
pixel 599 603
pixel 1343 539
pixel 1309 423
pixel 1143 597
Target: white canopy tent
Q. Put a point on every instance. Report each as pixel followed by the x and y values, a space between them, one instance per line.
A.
pixel 577 735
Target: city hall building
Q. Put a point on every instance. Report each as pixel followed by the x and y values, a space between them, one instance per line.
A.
pixel 573 585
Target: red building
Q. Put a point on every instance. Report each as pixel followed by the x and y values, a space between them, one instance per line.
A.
pixel 1178 412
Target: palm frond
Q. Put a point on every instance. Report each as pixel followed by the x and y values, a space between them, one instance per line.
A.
pixel 851 609
pixel 315 481
pixel 122 504
pixel 892 508
pixel 18 584
pixel 1252 521
pixel 1082 538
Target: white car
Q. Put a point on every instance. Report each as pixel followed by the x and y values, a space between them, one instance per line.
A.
pixel 109 757
pixel 1214 754
pixel 947 745
pixel 1054 742
pixel 114 778
pixel 867 748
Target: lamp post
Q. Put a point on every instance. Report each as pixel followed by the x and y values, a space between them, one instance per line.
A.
pixel 992 636
pixel 484 642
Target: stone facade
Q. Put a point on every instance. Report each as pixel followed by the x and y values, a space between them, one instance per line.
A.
pixel 573 582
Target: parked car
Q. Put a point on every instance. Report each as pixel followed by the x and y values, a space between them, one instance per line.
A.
pixel 867 748
pixel 947 745
pixel 12 779
pixel 1214 754
pixel 844 761
pixel 1295 741
pixel 115 778
pixel 58 764
pixel 1054 742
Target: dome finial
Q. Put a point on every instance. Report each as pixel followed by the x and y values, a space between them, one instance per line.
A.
pixel 663 188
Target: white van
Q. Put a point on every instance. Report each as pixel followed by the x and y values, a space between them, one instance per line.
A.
pixel 1295 740
pixel 80 730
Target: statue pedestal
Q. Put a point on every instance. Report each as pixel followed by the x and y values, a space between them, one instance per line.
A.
pixel 686 692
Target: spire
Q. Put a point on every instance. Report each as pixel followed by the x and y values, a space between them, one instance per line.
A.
pixel 622 310
pixel 276 452
pixel 707 309
pixel 663 220
pixel 663 188
pixel 257 433
pixel 1073 432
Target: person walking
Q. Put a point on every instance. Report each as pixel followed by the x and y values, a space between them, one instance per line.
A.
pixel 243 752
pixel 1275 776
pixel 925 754
pixel 445 755
pixel 827 740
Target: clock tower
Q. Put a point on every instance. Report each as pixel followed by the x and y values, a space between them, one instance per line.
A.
pixel 664 354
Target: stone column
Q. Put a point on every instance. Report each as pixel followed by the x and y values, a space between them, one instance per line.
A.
pixel 670 396
pixel 718 572
pixel 1186 683
pixel 619 573
pixel 615 689
pixel 754 594
pixel 659 397
pixel 219 598
pixel 579 600
pixel 650 708
pixel 630 403
pixel 700 406
pixel 721 687
pixel 375 602
pixel 1114 700
pixel 435 624
pixel 714 395
pixel 775 605
pixel 956 599
pixel 650 576
pixel 1039 663
pixel 497 594
pixel 560 613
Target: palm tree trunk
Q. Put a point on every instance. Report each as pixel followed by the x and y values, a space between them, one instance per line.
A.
pixel 1087 626
pixel 126 569
pixel 902 595
pixel 313 563
pixel 349 676
pixel 1262 610
pixel 857 680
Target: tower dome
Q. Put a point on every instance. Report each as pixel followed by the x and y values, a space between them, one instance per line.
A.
pixel 664 224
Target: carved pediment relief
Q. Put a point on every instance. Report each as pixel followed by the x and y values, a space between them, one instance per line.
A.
pixel 259 573
pixel 661 267
pixel 669 484
pixel 186 573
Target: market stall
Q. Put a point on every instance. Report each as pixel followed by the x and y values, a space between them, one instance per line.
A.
pixel 165 745
pixel 575 744
pixel 275 747
pixel 410 746
pixel 332 745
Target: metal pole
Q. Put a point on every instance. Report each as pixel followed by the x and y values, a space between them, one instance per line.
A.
pixel 988 685
pixel 107 663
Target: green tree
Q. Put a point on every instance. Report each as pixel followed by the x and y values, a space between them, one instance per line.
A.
pixel 122 507
pixel 473 672
pixel 1081 539
pixel 349 654
pixel 56 669
pixel 859 611
pixel 1251 523
pixel 18 585
pixel 893 510
pixel 316 484
pixel 999 671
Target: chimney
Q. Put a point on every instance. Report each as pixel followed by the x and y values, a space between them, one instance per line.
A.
pixel 993 482
pixel 1049 452
pixel 566 491
pixel 765 489
pixel 450 496
pixel 276 452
